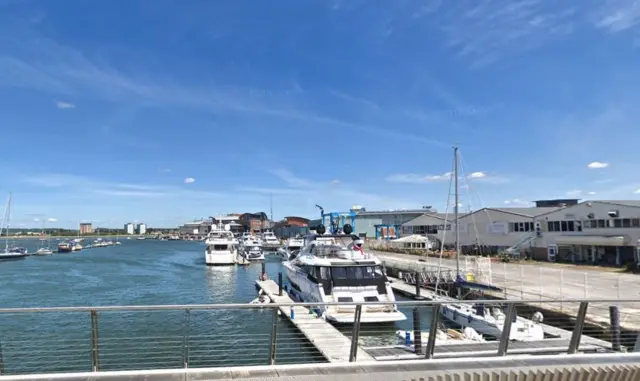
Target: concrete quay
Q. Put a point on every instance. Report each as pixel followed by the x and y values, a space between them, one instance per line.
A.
pixel 532 281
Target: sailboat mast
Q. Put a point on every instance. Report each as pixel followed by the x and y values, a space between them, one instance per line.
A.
pixel 7 216
pixel 455 217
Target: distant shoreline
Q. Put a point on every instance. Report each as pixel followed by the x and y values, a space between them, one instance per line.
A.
pixel 70 237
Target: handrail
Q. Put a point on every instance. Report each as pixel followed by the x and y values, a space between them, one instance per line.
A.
pixel 412 303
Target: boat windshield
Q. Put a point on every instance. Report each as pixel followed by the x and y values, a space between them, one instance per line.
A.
pixel 220 247
pixel 356 272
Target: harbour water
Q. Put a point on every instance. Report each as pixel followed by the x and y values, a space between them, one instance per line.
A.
pixel 145 272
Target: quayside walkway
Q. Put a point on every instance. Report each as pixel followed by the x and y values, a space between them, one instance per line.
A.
pixel 622 367
pixel 540 282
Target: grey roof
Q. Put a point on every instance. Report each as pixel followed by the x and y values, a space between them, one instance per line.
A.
pixel 531 211
pixel 399 211
pixel 430 219
pixel 633 203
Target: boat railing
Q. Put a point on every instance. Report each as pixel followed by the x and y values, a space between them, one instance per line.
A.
pixel 110 338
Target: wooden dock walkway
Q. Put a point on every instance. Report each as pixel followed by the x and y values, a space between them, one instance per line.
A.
pixel 333 345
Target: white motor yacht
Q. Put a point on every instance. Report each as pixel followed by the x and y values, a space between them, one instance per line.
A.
pixel 221 246
pixel 269 240
pixel 329 268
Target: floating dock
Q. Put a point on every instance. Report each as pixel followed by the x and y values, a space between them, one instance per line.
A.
pixel 333 345
pixel 554 333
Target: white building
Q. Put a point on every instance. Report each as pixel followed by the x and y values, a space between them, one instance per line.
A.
pixel 141 228
pixel 595 232
pixel 129 228
pixel 600 232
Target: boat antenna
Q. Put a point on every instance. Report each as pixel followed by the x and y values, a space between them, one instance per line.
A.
pixel 455 210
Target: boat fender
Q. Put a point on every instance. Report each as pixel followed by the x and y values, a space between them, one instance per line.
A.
pixel 347 229
pixel 537 317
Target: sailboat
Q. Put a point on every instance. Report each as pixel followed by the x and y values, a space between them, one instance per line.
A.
pixel 13 253
pixel 44 250
pixel 482 319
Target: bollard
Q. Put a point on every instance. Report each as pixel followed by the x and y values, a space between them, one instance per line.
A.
pixel 417 277
pixel 280 284
pixel 292 313
pixel 264 270
pixel 614 317
pixel 417 334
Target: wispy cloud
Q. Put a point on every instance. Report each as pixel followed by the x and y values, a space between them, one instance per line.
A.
pixel 88 186
pixel 492 30
pixel 336 194
pixel 52 219
pixel 189 180
pixel 597 165
pixel 64 105
pixel 617 15
pixel 413 178
pixel 49 66
pixel 574 193
pixel 516 202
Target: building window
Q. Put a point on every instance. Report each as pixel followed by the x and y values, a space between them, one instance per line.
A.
pixel 635 222
pixel 601 224
pixel 617 223
pixel 553 226
pixel 626 222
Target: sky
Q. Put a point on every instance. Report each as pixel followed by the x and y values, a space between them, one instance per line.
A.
pixel 164 111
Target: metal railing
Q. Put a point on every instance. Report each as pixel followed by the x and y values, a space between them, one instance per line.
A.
pixel 80 339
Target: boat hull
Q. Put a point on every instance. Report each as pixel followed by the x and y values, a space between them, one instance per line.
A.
pixel 220 258
pixel 12 256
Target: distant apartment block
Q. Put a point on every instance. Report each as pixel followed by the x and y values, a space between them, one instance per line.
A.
pixel 86 228
pixel 129 228
pixel 141 228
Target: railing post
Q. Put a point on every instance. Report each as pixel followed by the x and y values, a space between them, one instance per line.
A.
pixel 577 330
pixel 95 358
pixel 185 342
pixel 561 292
pixel 279 284
pixel 506 330
pixel 355 334
pixel 274 336
pixel 417 278
pixel 1 360
pixel 417 331
pixel 433 331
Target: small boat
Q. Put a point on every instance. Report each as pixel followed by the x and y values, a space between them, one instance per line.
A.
pixel 262 299
pixel 15 252
pixel 44 251
pixel 253 253
pixel 65 247
pixel 444 336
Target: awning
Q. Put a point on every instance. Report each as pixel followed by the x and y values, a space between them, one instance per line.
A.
pixel 595 240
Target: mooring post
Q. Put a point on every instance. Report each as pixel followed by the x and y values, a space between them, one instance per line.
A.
pixel 417 332
pixel 614 317
pixel 355 334
pixel 417 278
pixel 280 283
pixel 264 270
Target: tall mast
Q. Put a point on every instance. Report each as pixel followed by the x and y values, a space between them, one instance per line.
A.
pixel 455 217
pixel 271 206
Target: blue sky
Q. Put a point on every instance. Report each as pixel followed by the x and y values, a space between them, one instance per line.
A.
pixel 162 111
